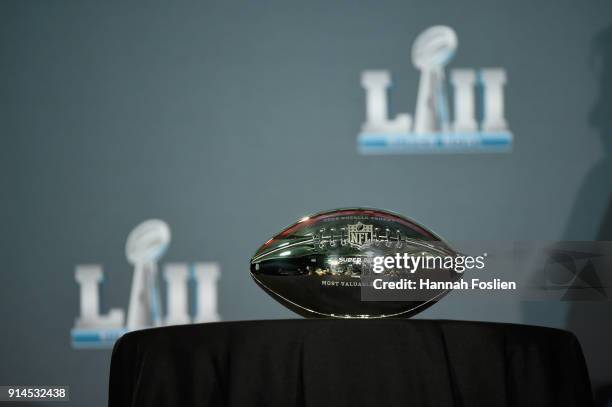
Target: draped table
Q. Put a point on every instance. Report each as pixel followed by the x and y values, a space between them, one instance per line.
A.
pixel 312 363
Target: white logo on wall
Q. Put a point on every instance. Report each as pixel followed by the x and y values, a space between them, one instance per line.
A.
pixel 145 246
pixel 433 130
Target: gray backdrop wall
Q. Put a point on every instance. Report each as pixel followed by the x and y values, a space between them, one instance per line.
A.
pixel 230 120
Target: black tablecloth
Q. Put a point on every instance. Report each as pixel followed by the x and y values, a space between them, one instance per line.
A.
pixel 335 363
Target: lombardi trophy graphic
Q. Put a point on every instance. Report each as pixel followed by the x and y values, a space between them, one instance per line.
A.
pixel 431 51
pixel 145 245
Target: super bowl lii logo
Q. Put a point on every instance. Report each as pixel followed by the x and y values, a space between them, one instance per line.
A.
pixel 145 246
pixel 432 129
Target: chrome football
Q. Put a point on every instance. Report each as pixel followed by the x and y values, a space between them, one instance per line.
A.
pixel 321 265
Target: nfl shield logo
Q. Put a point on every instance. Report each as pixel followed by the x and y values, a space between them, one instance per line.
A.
pixel 360 234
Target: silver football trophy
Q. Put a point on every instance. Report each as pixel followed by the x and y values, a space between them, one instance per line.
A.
pixel 324 265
